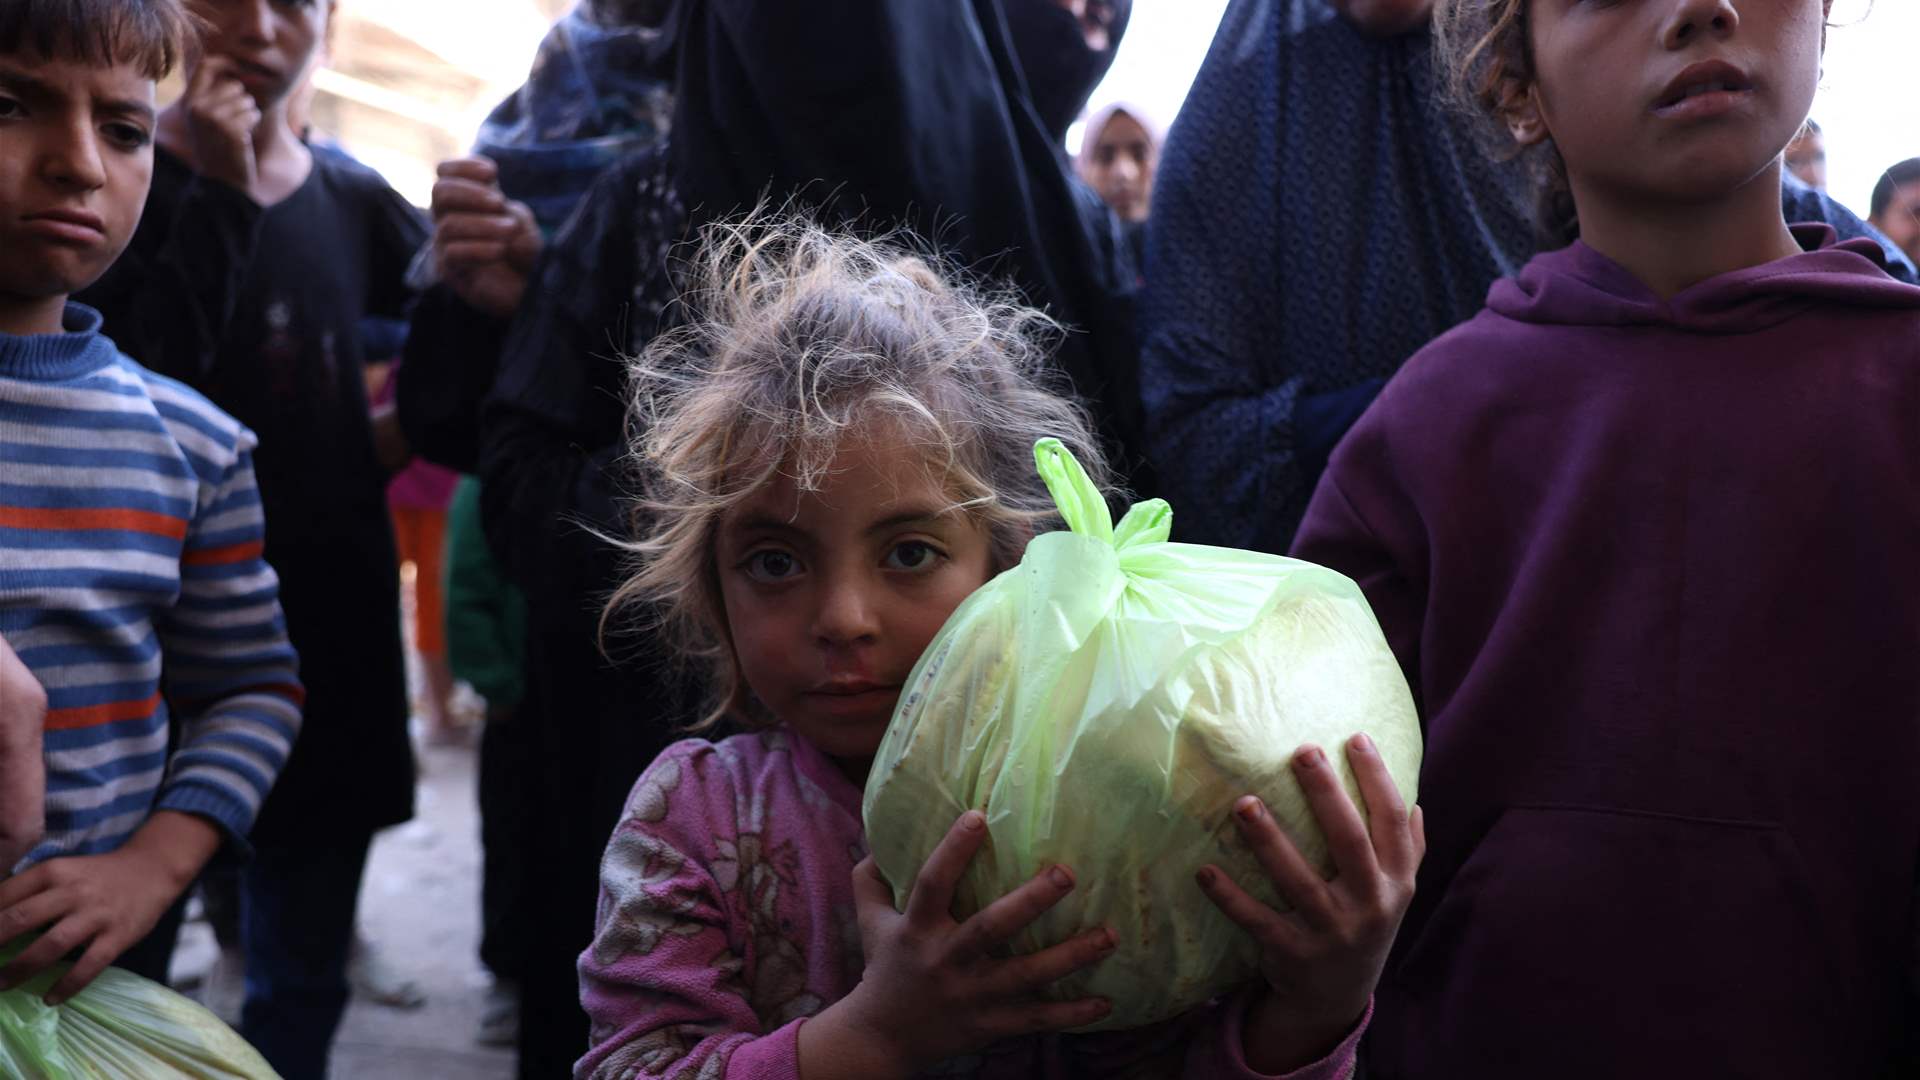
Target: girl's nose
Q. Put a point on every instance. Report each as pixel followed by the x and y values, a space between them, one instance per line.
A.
pixel 1694 19
pixel 846 615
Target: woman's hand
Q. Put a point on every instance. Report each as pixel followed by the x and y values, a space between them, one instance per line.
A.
pixel 935 988
pixel 1385 18
pixel 484 244
pixel 1321 961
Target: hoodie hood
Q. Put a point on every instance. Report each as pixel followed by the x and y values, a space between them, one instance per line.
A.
pixel 1578 286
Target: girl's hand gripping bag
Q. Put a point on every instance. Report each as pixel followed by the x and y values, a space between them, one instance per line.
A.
pixel 1105 703
pixel 121 1027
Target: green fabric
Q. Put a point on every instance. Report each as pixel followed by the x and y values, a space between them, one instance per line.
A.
pixel 486 614
pixel 1105 703
pixel 120 1027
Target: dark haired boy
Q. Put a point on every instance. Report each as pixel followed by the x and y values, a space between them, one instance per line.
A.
pixel 130 526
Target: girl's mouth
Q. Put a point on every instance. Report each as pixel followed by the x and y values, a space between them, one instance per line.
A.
pixel 1706 89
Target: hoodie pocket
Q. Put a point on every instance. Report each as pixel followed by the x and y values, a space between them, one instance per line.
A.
pixel 1588 942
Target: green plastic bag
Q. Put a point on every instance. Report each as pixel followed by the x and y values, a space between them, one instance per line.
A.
pixel 121 1027
pixel 1105 703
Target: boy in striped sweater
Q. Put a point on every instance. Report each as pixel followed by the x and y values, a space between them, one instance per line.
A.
pixel 130 523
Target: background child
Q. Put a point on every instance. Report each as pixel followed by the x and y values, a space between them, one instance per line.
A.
pixel 1896 206
pixel 839 453
pixel 1642 534
pixel 130 525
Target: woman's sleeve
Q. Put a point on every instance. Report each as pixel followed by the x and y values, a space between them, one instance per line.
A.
pixel 452 356
pixel 663 980
pixel 1221 404
pixel 545 466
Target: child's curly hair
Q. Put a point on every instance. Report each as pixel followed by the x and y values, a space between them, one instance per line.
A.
pixel 1485 47
pixel 799 339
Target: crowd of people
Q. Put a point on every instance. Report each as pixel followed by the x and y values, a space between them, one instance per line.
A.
pixel 710 382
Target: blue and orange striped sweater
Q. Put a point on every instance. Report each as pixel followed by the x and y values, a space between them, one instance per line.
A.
pixel 131 577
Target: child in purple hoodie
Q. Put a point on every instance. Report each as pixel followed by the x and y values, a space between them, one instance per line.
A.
pixel 839 452
pixel 1645 535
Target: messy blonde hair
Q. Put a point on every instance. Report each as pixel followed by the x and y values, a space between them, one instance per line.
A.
pixel 1485 49
pixel 798 339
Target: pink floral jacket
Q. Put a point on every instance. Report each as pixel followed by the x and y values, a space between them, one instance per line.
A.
pixel 727 919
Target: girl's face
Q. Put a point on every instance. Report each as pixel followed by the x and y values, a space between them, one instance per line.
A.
pixel 832 595
pixel 1673 100
pixel 1120 166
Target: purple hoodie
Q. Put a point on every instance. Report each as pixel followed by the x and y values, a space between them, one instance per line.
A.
pixel 1653 570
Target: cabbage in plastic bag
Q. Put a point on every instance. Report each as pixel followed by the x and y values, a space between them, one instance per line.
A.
pixel 1104 704
pixel 121 1027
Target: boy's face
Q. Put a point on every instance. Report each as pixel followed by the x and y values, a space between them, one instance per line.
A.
pixel 269 43
pixel 76 157
pixel 1901 219
pixel 1674 100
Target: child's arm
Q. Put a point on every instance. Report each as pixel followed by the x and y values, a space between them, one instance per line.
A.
pixel 230 674
pixel 23 769
pixel 1321 961
pixel 681 975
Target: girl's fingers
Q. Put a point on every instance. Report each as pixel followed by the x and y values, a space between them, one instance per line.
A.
pixel 932 900
pixel 1339 819
pixel 1298 882
pixel 1028 974
pixel 1039 1017
pixel 870 888
pixel 1007 916
pixel 1268 927
pixel 1387 819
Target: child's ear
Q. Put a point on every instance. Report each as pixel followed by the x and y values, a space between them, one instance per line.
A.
pixel 1525 120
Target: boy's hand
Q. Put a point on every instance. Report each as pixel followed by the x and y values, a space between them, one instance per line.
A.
pixel 103 904
pixel 23 768
pixel 933 987
pixel 484 244
pixel 221 117
pixel 1322 960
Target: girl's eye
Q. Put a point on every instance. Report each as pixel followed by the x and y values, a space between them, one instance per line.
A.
pixel 771 567
pixel 914 556
pixel 9 108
